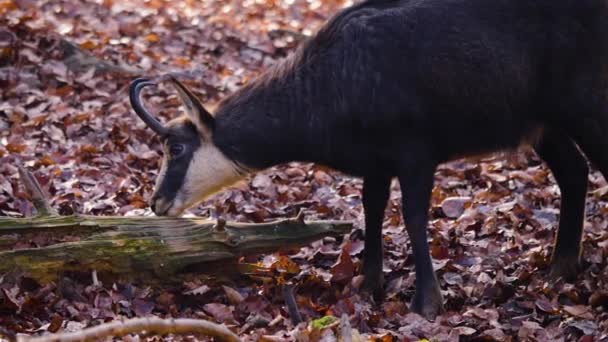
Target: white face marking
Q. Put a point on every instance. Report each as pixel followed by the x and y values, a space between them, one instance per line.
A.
pixel 209 171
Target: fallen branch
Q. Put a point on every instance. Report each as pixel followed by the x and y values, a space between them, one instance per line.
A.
pixel 146 248
pixel 79 60
pixel 150 325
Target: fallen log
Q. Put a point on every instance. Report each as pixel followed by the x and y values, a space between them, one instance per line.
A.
pixel 158 249
pixel 146 247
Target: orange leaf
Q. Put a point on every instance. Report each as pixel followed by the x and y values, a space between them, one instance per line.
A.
pixel 62 91
pixel 37 121
pixel 46 160
pixel 343 270
pixel 88 149
pixel 88 45
pixel 77 118
pixel 15 148
pixel 7 5
pixel 152 38
pixel 5 53
pixel 181 61
pixel 286 265
pixel 440 252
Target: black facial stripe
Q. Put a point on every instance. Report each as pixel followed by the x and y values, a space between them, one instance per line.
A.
pixel 177 168
pixel 174 176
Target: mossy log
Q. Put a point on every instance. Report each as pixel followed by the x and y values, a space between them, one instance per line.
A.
pixel 145 247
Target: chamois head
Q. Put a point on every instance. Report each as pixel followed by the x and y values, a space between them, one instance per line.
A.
pixel 193 167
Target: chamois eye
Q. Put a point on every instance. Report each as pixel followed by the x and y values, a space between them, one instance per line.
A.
pixel 176 149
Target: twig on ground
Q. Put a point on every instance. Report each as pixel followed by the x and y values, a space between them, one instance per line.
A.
pixel 300 216
pixel 150 325
pixel 297 36
pixel 346 332
pixel 34 190
pixel 291 304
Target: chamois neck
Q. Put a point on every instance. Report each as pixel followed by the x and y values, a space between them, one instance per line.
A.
pixel 269 121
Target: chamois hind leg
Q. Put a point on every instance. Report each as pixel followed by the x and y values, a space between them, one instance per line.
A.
pixel 416 185
pixel 592 138
pixel 569 167
pixel 376 191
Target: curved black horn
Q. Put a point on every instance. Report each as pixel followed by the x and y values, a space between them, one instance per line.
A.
pixel 135 97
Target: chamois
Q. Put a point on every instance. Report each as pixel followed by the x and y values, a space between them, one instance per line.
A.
pixel 392 88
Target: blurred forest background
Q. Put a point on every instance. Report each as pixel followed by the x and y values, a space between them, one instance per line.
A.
pixel 65 66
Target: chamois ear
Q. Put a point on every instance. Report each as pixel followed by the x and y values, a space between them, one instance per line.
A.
pixel 197 113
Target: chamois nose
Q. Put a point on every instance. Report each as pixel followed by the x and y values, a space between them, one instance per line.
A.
pixel 160 206
pixel 152 204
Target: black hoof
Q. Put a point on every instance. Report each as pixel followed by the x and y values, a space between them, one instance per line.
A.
pixel 566 268
pixel 428 304
pixel 374 285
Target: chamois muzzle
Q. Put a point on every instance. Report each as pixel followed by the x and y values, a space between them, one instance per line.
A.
pixel 135 97
pixel 160 206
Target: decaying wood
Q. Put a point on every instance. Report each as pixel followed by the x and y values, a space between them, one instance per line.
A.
pixel 157 249
pixel 150 326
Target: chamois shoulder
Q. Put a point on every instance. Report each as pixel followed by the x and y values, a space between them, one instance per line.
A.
pixel 334 28
pixel 323 41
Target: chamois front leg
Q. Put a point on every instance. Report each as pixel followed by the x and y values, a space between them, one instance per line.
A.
pixel 376 191
pixel 569 167
pixel 416 186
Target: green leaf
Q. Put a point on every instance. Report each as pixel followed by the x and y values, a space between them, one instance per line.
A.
pixel 323 322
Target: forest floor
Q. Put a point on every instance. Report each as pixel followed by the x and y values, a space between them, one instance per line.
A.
pixel 65 66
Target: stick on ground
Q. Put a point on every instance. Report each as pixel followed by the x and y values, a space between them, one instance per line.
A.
pixel 34 191
pixel 149 325
pixel 292 306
